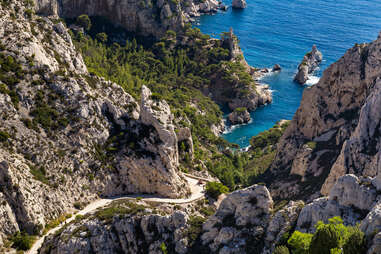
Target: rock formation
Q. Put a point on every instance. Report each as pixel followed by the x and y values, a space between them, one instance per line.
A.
pixel 238 94
pixel 239 4
pixel 147 18
pixel 136 228
pixel 239 116
pixel 58 140
pixel 240 222
pixel 309 64
pixel 335 130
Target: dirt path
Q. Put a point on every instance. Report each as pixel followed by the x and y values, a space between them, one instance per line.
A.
pixel 197 191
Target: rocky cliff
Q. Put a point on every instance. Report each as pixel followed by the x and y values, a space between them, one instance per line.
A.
pixel 335 131
pixel 308 65
pixel 66 136
pixel 146 17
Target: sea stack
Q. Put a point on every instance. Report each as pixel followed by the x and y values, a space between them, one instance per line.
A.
pixel 309 64
pixel 239 4
pixel 239 116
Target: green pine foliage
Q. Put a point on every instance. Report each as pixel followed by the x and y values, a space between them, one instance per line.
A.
pixel 329 238
pixel 215 189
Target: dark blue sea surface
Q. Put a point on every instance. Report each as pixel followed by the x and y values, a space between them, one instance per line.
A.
pixel 281 32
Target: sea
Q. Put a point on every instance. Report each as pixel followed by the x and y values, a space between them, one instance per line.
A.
pixel 282 32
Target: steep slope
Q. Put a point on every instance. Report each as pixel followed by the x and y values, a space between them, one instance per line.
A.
pixel 60 127
pixel 148 18
pixel 335 131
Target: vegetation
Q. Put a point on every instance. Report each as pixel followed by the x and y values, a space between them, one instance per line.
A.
pixel 124 208
pixel 215 189
pixel 240 110
pixel 56 222
pixel 269 137
pixel 333 237
pixel 281 250
pixel 84 21
pixel 195 228
pixel 22 241
pixel 175 72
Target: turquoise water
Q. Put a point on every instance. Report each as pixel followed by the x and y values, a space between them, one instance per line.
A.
pixel 282 31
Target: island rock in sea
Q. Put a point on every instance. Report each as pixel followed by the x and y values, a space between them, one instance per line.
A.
pixel 309 64
pixel 239 4
pixel 239 116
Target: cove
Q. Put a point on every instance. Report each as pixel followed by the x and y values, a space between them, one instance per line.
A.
pixel 281 32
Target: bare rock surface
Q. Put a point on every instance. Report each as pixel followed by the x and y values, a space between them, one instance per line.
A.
pixel 240 221
pixel 61 135
pixel 339 118
pixel 239 4
pixel 309 64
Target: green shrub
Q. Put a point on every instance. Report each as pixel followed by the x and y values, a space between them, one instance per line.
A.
pixel 240 110
pixel 102 37
pixel 4 136
pixel 22 241
pixel 39 174
pixel 281 250
pixel 311 145
pixel 215 189
pixel 356 242
pixel 195 228
pixel 328 236
pixel 300 242
pixel 331 238
pixel 84 21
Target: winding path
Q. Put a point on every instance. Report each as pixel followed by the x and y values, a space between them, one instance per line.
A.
pixel 197 191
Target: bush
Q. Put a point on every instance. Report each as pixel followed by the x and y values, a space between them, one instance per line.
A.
pixel 4 136
pixel 240 110
pixel 84 21
pixel 328 236
pixel 331 238
pixel 281 250
pixel 300 242
pixel 356 243
pixel 102 37
pixel 215 189
pixel 22 241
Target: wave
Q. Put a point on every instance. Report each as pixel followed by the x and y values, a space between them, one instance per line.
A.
pixel 231 128
pixel 312 80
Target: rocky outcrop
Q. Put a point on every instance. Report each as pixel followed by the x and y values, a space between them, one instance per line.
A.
pixel 147 18
pixel 72 136
pixel 309 64
pixel 282 223
pixel 239 116
pixel 239 4
pixel 351 198
pixel 340 116
pixel 133 228
pixel 240 221
pixel 237 94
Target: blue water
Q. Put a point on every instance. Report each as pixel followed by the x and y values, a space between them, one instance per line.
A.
pixel 282 31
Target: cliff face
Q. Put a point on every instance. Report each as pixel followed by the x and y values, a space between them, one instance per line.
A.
pixel 336 128
pixel 60 128
pixel 146 17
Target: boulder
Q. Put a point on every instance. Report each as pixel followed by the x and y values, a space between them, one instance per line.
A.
pixel 241 214
pixel 239 4
pixel 276 67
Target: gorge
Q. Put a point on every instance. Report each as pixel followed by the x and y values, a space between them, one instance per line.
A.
pixel 111 138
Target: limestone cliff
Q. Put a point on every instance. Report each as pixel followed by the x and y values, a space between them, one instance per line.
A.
pixel 146 17
pixel 61 127
pixel 335 131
